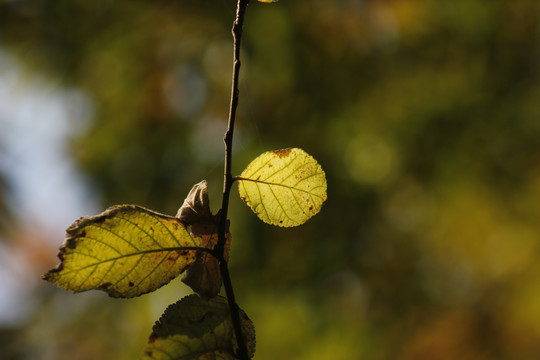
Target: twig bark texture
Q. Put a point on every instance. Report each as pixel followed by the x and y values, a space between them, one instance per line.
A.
pixel 228 181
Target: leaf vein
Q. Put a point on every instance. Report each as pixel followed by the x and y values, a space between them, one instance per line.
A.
pixel 261 201
pixel 307 178
pixel 280 169
pixel 256 171
pixel 115 234
pixel 152 271
pixel 280 205
pixel 141 229
pixel 286 186
pixel 83 282
pixel 144 252
pixel 133 267
pixel 101 242
pixel 291 174
pixel 298 202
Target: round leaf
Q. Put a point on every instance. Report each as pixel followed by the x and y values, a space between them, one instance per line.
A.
pixel 283 187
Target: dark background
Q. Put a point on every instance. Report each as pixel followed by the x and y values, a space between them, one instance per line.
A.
pixel 424 114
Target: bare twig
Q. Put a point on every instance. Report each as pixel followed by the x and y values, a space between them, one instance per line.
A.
pixel 228 181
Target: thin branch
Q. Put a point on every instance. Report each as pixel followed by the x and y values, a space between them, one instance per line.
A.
pixel 228 181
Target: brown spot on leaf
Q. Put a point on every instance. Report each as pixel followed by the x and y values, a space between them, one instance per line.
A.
pixel 185 253
pixel 71 243
pixel 282 152
pixel 153 337
pixel 311 207
pixel 95 220
pixel 131 283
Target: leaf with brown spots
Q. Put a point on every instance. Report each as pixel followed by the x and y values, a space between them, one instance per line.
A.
pixel 194 328
pixel 283 187
pixel 125 251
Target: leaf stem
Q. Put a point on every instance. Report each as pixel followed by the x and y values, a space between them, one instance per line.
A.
pixel 228 181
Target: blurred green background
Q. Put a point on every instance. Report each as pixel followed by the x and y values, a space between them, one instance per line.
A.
pixel 424 114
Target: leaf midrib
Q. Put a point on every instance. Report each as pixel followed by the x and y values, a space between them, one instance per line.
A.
pixel 139 253
pixel 283 185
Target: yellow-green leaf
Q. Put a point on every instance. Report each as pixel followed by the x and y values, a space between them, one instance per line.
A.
pixel 126 251
pixel 267 1
pixel 194 328
pixel 283 187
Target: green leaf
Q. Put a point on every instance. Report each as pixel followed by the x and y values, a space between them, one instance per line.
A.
pixel 194 328
pixel 283 187
pixel 126 251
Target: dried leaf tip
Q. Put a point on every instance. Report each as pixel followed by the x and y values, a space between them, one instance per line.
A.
pixel 196 206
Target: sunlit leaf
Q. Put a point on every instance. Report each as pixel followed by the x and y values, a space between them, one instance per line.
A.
pixel 194 328
pixel 284 187
pixel 203 276
pixel 267 1
pixel 126 251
